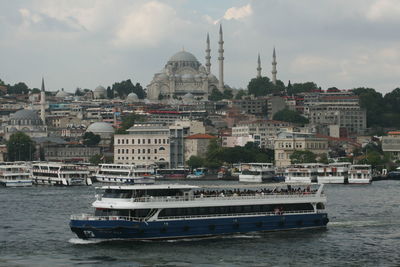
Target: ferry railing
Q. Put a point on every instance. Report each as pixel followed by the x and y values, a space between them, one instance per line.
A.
pixel 90 217
pixel 221 197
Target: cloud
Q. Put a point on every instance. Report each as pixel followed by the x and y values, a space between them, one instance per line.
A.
pixel 148 24
pixel 383 10
pixel 238 13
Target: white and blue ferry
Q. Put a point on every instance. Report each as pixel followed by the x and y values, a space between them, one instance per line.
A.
pixel 171 211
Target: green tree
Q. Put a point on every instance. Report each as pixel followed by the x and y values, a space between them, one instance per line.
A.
pixel 122 89
pixel 228 94
pixel 109 93
pixel 35 91
pixel 240 94
pixel 20 147
pixel 306 156
pixel 323 159
pixel 195 162
pixel 374 103
pixel 18 88
pixel 128 121
pixel 91 139
pixel 216 95
pixel 297 88
pixel 290 116
pixel 96 159
pixel 260 86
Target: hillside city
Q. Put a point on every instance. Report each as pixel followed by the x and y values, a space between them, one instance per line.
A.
pixel 187 117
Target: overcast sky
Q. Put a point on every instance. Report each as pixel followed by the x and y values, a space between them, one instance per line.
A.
pixel 86 43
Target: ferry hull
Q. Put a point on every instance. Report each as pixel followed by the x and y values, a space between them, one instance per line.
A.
pixel 191 228
pixel 16 183
pixel 332 180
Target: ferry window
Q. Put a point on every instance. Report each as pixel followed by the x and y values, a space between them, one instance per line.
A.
pixel 140 213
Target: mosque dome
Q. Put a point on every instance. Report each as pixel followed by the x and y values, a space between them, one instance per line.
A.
pixel 100 127
pixel 132 97
pixel 25 117
pixel 183 56
pixel 62 94
pixel 99 92
pixel 212 78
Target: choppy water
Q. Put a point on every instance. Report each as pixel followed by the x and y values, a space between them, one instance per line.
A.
pixel 364 230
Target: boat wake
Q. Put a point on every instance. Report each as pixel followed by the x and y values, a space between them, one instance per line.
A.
pixel 360 223
pixel 78 241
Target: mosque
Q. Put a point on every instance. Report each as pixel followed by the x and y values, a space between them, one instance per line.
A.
pixel 184 76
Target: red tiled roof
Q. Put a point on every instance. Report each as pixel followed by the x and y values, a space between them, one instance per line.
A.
pixel 200 136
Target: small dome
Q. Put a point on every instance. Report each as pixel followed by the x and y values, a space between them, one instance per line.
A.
pixel 62 94
pixel 188 96
pixel 183 56
pixel 25 114
pixel 212 78
pixel 100 89
pixel 100 127
pixel 132 97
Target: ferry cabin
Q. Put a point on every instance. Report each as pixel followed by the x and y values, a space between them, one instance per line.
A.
pixel 334 173
pixel 303 173
pixel 56 173
pixel 360 174
pixel 123 173
pixel 178 211
pixel 15 175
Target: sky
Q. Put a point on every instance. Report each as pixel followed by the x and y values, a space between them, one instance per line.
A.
pixel 86 43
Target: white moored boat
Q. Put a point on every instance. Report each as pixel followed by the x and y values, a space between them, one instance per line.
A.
pixel 56 173
pixel 15 174
pixel 257 172
pixel 360 174
pixel 334 173
pixel 123 173
pixel 303 173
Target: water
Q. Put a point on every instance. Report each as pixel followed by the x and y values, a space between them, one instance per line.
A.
pixel 364 230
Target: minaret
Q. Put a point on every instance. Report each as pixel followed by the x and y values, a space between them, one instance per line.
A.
pixel 274 67
pixel 208 56
pixel 43 103
pixel 259 66
pixel 221 60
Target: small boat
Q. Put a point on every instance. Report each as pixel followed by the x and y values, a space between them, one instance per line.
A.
pixel 15 175
pixel 334 173
pixel 360 174
pixel 303 173
pixel 257 172
pixel 173 211
pixel 394 175
pixel 57 173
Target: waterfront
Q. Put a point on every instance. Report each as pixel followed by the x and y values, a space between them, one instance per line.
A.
pixel 363 231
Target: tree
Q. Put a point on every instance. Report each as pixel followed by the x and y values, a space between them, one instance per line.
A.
pixel 35 91
pixel 109 93
pixel 374 103
pixel 290 116
pixel 128 121
pixel 299 156
pixel 20 147
pixel 79 92
pixel 122 89
pixel 18 88
pixel 195 162
pixel 323 159
pixel 96 159
pixel 216 95
pixel 240 94
pixel 302 87
pixel 259 86
pixel 227 94
pixel 91 139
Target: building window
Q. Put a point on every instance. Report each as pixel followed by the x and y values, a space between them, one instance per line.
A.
pixel 123 141
pixel 155 141
pixel 127 151
pixel 148 150
pixel 144 150
pixel 138 141
pixel 148 141
pixel 155 150
pixel 144 141
pixel 119 151
pixel 163 141
pixel 119 141
pixel 133 151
